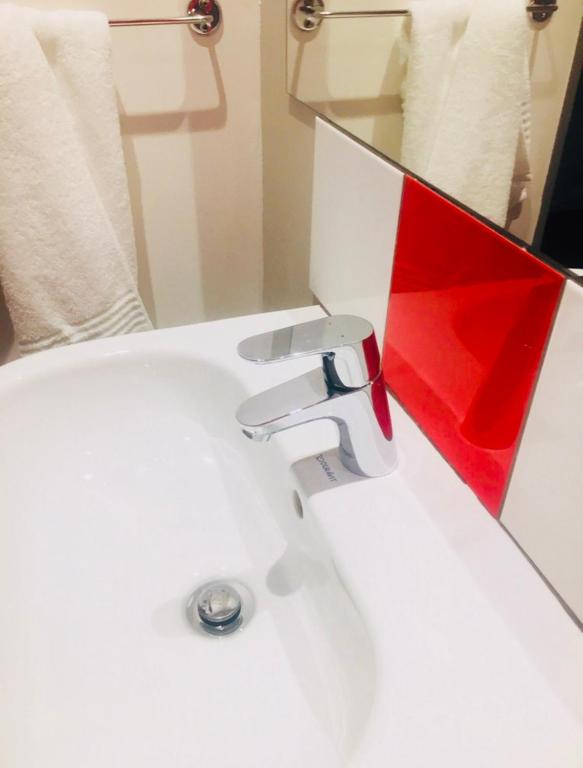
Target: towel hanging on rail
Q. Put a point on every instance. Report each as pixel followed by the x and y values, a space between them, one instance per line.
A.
pixel 67 253
pixel 467 101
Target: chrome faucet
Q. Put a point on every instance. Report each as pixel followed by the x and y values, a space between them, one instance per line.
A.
pixel 348 388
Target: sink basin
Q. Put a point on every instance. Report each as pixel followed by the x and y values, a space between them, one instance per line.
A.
pixel 370 639
pixel 126 483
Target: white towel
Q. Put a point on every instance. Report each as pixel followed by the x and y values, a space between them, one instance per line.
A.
pixel 467 101
pixel 67 252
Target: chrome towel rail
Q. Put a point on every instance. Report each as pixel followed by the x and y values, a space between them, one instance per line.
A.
pixel 157 22
pixel 309 14
pixel 203 16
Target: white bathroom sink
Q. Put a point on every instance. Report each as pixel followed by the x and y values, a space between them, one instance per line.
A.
pixel 382 628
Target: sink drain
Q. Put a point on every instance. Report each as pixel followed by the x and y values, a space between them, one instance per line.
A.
pixel 219 608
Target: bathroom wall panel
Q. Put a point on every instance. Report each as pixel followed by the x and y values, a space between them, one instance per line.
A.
pixel 543 509
pixel 469 316
pixel 191 120
pixel 355 213
pixel 287 129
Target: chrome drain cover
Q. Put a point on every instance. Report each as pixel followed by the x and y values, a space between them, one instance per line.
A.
pixel 218 608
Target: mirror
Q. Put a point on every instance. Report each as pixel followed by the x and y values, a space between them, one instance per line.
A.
pixel 475 99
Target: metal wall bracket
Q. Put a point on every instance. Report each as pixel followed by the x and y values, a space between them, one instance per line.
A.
pixel 210 10
pixel 306 14
pixel 542 10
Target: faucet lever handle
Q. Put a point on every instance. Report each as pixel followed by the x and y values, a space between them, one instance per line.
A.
pixel 348 341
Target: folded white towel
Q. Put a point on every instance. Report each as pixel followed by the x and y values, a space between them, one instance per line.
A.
pixel 67 252
pixel 467 101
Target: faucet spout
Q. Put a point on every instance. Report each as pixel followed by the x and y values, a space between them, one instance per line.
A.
pixel 366 446
pixel 294 402
pixel 257 436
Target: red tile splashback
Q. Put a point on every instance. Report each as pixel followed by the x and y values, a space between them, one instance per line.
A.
pixel 469 316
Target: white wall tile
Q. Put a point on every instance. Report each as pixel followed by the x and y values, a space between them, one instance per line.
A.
pixel 544 505
pixel 355 214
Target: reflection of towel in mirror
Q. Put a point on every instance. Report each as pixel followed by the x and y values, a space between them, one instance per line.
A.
pixel 67 253
pixel 467 101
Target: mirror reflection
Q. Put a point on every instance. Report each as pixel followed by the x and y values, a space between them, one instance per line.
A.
pixel 475 98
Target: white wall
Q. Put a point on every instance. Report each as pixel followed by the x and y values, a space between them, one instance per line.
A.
pixel 288 155
pixel 355 212
pixel 192 136
pixel 191 123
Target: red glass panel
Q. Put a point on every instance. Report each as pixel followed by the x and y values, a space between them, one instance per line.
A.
pixel 469 316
